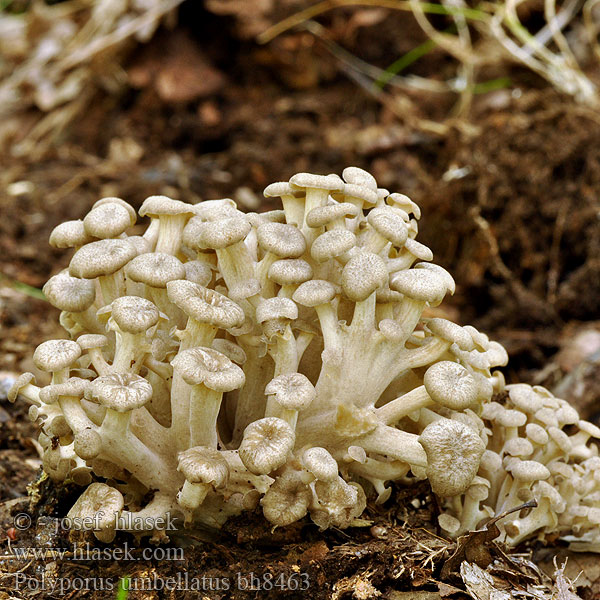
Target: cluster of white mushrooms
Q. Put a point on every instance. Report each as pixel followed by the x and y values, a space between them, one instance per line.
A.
pixel 225 360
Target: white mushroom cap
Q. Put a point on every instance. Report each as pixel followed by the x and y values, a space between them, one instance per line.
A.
pixel 108 220
pixel 287 500
pixel 524 398
pixel 209 210
pixel 450 283
pixel 20 382
pixel 70 293
pixel 527 471
pixel 155 269
pixel 216 234
pixel 362 192
pixel 314 293
pixel 120 202
pixel 405 203
pixel 319 182
pixel 363 274
pixel 419 284
pixel 518 447
pixel 418 250
pixel 134 314
pixel 323 215
pixel 201 464
pixel 331 244
pixel 209 367
pixel 155 206
pixel 55 355
pixel 451 385
pixel 389 225
pixel 278 189
pixel 92 340
pixel 358 176
pixel 292 390
pixel 120 392
pixel 536 433
pixel 276 308
pixel 230 349
pixel 75 386
pixel 453 451
pixel 69 235
pixel 451 332
pixel 87 444
pixel 205 305
pixel 103 257
pixel 285 241
pixel 320 463
pixel 290 271
pixel 198 272
pixel 266 445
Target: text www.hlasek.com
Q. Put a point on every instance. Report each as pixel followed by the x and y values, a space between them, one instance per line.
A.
pixel 88 552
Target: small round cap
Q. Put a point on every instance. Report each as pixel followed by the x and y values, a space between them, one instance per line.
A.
pixel 314 293
pixel 134 314
pixel 103 257
pixel 285 241
pixel 450 384
pixel 108 220
pixel 55 355
pixel 70 293
pixel 292 390
pixel 120 392
pixel 290 271
pixel 155 269
pixel 320 463
pixel 363 274
pixel 201 464
pixel 331 244
pixel 155 206
pixel 70 234
pixel 266 445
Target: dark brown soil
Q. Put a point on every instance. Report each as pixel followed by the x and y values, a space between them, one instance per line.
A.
pixel 510 208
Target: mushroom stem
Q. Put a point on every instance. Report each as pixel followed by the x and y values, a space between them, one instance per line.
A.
pixel 170 230
pixel 235 264
pixel 396 444
pixel 74 414
pixel 192 495
pixel 129 353
pixel 404 405
pixel 204 410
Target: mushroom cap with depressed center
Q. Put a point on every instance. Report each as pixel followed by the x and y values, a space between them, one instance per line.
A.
pixel 316 182
pixel 92 340
pixel 70 234
pixel 331 244
pixel 198 271
pixel 55 355
pixel 389 225
pixel 120 392
pixel 276 308
pixel 120 202
pixel 155 206
pixel 320 463
pixel 266 444
pixel 405 203
pixel 68 293
pixel 453 451
pixel 289 271
pixel 108 220
pixel 20 382
pixel 219 234
pixel 292 390
pixel 314 293
pixel 201 464
pixel 102 503
pixel 528 471
pixel 134 314
pixel 451 385
pixel 285 241
pixel 205 305
pixel 359 176
pixel 87 444
pixel 155 269
pixel 73 387
pixel 451 332
pixel 363 274
pixel 230 349
pixel 323 215
pixel 421 285
pixel 287 500
pixel 103 257
pixel 209 367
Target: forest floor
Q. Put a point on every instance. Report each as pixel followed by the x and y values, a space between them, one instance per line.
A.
pixel 510 207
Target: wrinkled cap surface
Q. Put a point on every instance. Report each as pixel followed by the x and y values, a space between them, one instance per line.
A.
pixel 451 385
pixel 55 355
pixel 120 392
pixel 209 367
pixel 289 271
pixel 286 501
pixel 453 454
pixel 216 234
pixel 292 390
pixel 331 244
pixel 70 234
pixel 198 272
pixel 389 225
pixel 201 464
pixel 285 241
pixel 266 445
pixel 87 444
pixel 155 269
pixel 134 314
pixel 70 293
pixel 320 463
pixel 120 202
pixel 103 257
pixel 205 305
pixel 363 274
pixel 108 220
pixel 102 503
pixel 314 293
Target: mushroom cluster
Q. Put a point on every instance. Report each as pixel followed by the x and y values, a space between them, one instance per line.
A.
pixel 288 359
